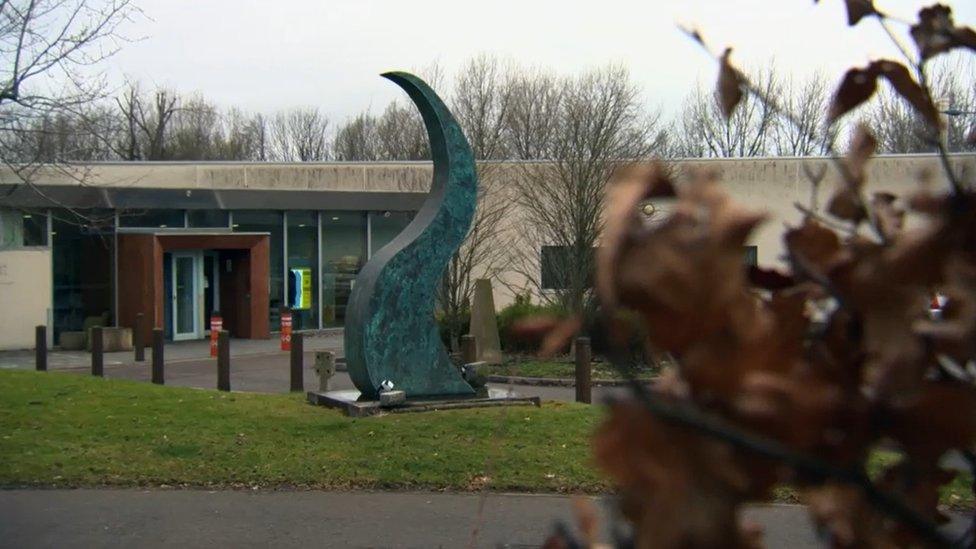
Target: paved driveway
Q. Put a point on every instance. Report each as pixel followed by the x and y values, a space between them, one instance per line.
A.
pixel 256 366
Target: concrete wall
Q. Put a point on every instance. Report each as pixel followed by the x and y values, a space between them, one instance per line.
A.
pixel 775 186
pixel 25 295
pixel 771 185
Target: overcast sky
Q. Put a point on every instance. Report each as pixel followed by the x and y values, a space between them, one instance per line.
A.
pixel 271 54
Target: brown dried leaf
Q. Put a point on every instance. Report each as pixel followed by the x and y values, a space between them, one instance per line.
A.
pixel 903 83
pixel 587 520
pixel 553 331
pixel 857 86
pixel 919 486
pixel 859 9
pixel 730 83
pixel 938 417
pixel 628 190
pixel 679 489
pixel 889 218
pixel 845 204
pixel 816 246
pixel 927 203
pixel 863 145
pixel 559 337
pixel 850 519
pixel 805 413
pixel 769 279
pixel 557 541
pixel 686 277
pixel 937 33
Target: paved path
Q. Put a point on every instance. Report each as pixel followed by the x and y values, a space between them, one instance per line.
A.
pixel 178 351
pixel 189 518
pixel 256 366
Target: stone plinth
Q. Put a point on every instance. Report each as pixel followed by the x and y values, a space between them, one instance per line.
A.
pixel 484 323
pixel 351 403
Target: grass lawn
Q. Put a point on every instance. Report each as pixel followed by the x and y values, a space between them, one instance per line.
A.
pixel 72 430
pixel 556 369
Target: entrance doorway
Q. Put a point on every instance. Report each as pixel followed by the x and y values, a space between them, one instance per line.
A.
pixel 187 293
pixel 194 292
pixel 178 280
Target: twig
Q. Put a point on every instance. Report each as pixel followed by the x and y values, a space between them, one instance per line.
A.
pixel 821 219
pixel 689 415
pixel 834 156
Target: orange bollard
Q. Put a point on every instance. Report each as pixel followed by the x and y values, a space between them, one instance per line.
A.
pixel 286 330
pixel 216 325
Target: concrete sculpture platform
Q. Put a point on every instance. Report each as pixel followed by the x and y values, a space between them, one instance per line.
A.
pixel 350 402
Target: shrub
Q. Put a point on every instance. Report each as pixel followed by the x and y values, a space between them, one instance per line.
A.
pixel 520 309
pixel 444 328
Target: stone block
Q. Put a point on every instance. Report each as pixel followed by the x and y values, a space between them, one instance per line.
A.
pixel 113 339
pixel 72 341
pixel 325 367
pixel 392 398
pixel 484 323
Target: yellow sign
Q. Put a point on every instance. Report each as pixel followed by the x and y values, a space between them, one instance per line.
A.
pixel 301 280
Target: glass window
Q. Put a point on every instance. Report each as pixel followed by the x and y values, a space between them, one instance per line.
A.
pixel 161 219
pixel 35 229
pixel 343 254
pixel 751 255
pixel 263 221
pixel 207 218
pixel 82 262
pixel 384 226
pixel 303 259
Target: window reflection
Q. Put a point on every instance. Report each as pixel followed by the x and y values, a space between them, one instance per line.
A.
pixel 303 269
pixel 384 226
pixel 343 255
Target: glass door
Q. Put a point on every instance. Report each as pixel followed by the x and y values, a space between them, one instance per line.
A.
pixel 187 294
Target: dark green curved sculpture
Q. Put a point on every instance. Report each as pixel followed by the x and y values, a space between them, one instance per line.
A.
pixel 390 332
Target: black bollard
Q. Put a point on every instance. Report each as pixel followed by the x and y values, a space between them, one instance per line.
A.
pixel 137 340
pixel 297 362
pixel 469 349
pixel 158 372
pixel 223 361
pixel 583 370
pixel 97 352
pixel 40 348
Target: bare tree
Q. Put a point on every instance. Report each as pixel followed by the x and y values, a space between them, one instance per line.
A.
pixel 50 53
pixel 480 102
pixel 899 128
pixel 300 134
pixel 243 136
pixel 401 134
pixel 600 124
pixel 703 131
pixel 805 102
pixel 146 120
pixel 357 139
pixel 196 131
pixel 532 117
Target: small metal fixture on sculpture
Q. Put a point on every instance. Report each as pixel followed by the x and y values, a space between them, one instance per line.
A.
pixel 391 336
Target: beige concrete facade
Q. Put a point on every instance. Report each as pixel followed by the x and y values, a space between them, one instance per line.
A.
pixel 771 185
pixel 25 295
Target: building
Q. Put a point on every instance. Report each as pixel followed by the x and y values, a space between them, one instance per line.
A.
pixel 178 241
